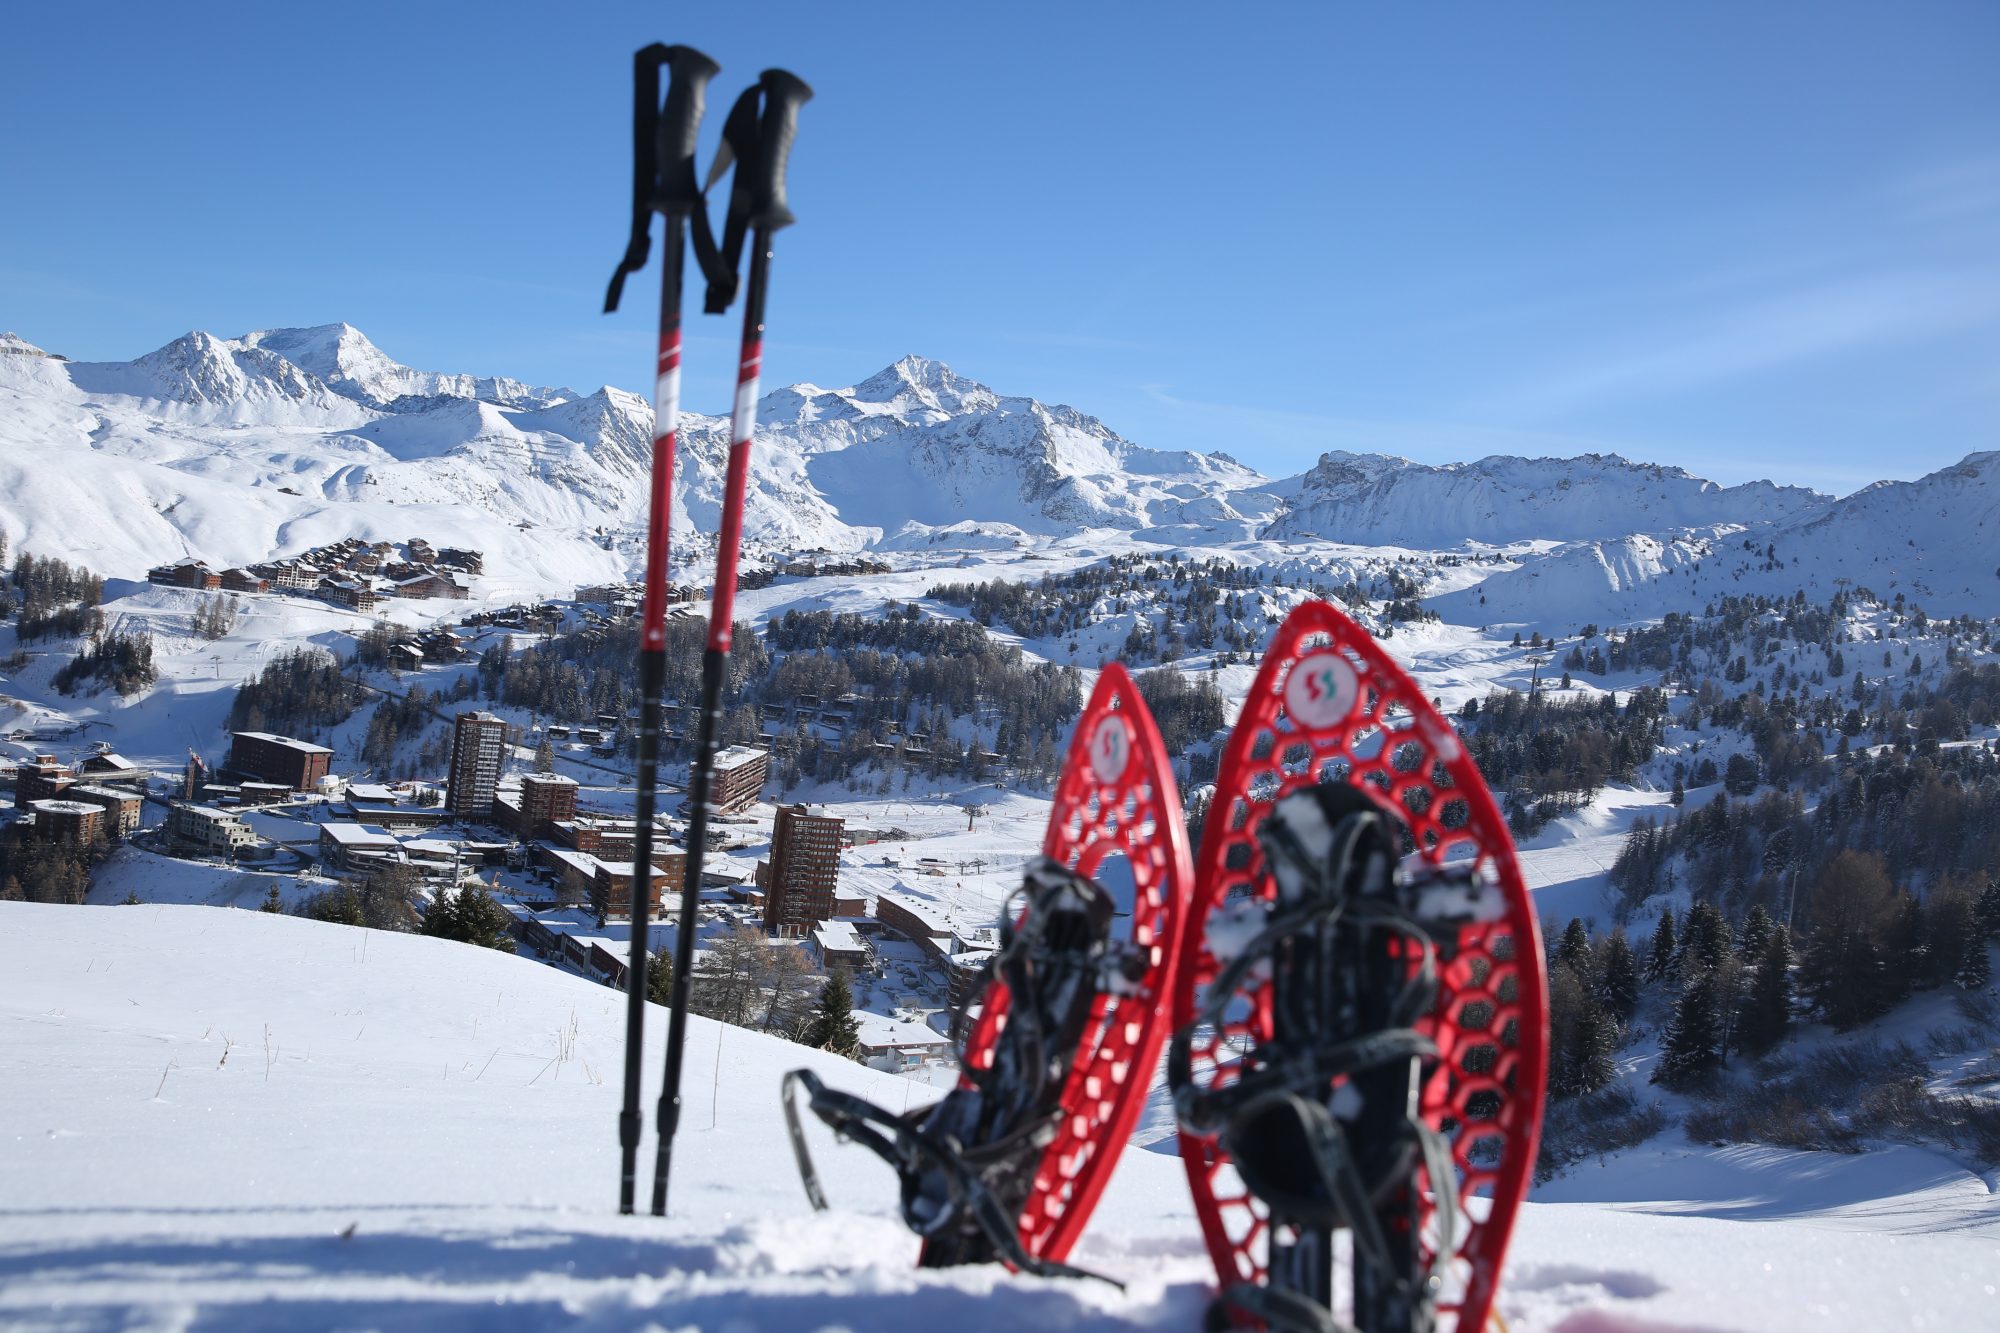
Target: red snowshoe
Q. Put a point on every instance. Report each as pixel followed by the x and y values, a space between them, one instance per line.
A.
pixel 1360 1009
pixel 1056 1068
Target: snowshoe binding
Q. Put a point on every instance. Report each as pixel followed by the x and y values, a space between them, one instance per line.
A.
pixel 1055 1068
pixel 1360 1030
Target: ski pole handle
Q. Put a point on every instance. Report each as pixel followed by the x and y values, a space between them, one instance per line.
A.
pixel 688 73
pixel 784 94
pixel 662 147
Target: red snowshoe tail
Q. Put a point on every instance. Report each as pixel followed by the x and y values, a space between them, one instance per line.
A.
pixel 1330 706
pixel 1116 797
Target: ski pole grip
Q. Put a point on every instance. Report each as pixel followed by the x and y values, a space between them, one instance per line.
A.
pixel 784 94
pixel 688 73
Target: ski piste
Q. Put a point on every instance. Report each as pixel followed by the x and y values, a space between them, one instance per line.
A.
pixel 1011 1162
pixel 1412 832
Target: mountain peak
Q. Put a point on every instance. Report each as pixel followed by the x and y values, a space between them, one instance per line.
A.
pixel 353 366
pixel 931 383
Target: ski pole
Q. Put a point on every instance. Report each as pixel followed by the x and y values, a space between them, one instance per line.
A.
pixel 757 200
pixel 663 181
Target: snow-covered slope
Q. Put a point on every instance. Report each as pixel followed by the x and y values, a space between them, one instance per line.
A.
pixel 226 1120
pixel 1372 498
pixel 1936 539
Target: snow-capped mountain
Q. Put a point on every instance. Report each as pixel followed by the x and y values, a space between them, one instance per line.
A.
pixel 343 357
pixel 1371 499
pixel 918 447
pixel 229 450
pixel 238 449
pixel 1936 538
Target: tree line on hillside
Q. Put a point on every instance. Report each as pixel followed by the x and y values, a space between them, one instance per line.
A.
pixel 301 693
pixel 48 872
pixel 1927 817
pixel 1736 990
pixel 56 600
pixel 915 695
pixel 117 659
pixel 1182 606
pixel 1546 756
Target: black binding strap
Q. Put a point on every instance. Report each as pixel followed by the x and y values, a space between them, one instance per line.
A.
pixel 1288 1147
pixel 961 1161
pixel 909 1151
pixel 646 64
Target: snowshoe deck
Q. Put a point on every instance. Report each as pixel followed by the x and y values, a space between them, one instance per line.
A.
pixel 1010 1164
pixel 1452 921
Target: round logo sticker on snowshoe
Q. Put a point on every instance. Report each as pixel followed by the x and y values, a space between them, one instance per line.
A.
pixel 1321 690
pixel 1110 749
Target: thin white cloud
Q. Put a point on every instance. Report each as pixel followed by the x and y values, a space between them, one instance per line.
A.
pixel 1950 191
pixel 1773 333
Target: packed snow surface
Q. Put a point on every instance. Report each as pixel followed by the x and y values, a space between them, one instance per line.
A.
pixel 219 1119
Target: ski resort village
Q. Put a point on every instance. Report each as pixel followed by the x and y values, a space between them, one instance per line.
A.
pixel 1399 733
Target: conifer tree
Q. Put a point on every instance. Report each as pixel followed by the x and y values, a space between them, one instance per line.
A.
pixel 1767 1009
pixel 1975 969
pixel 1705 941
pixel 832 1026
pixel 1620 972
pixel 1660 953
pixel 1756 934
pixel 1845 970
pixel 660 978
pixel 470 916
pixel 1573 949
pixel 1595 1048
pixel 1989 908
pixel 1906 946
pixel 273 900
pixel 1693 1046
pixel 1583 1037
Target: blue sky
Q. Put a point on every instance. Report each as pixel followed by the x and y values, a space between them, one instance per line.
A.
pixel 1749 240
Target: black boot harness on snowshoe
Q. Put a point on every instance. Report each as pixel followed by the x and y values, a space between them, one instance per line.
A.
pixel 956 1158
pixel 1333 854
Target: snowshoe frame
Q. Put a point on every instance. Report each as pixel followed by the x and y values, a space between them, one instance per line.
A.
pixel 1329 705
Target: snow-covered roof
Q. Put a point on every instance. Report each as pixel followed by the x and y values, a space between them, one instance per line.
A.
pixel 303 747
pixel 921 909
pixel 881 1033
pixel 735 757
pixel 112 793
pixel 358 836
pixel 65 808
pixel 581 862
pixel 839 936
pixel 376 792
